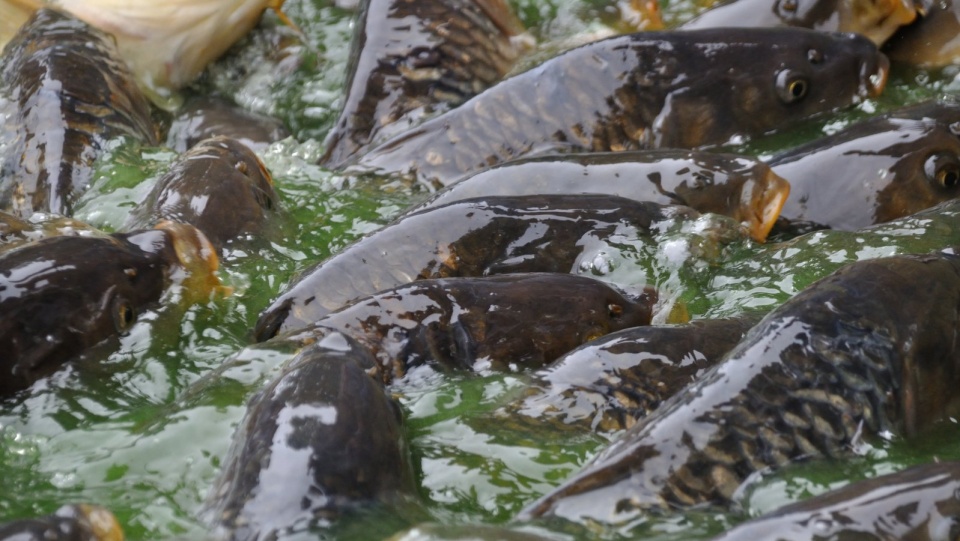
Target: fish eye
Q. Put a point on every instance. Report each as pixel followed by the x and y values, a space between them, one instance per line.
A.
pixel 123 315
pixel 614 310
pixel 791 86
pixel 242 167
pixel 943 170
pixel 814 56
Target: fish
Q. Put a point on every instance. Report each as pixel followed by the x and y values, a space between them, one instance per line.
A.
pixel 15 231
pixel 219 186
pixel 475 237
pixel 205 117
pixel 166 44
pixel 321 439
pixel 930 42
pixel 919 503
pixel 610 383
pixel 505 322
pixel 869 349
pixel 738 186
pixel 877 20
pixel 645 90
pixel 75 522
pixel 61 296
pixel 415 59
pixel 71 93
pixel 875 170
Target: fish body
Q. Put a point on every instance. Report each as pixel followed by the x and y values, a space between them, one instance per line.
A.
pixel 510 321
pixel 920 503
pixel 875 20
pixel 931 41
pixel 876 170
pixel 15 231
pixel 206 117
pixel 322 438
pixel 612 382
pixel 79 522
pixel 736 186
pixel 642 90
pixel 60 296
pixel 475 237
pixel 219 186
pixel 71 92
pixel 867 349
pixel 416 58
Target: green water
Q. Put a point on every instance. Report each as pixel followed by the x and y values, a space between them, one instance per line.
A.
pixel 145 431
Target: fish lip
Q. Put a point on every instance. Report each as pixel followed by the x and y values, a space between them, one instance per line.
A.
pixel 874 75
pixel 197 256
pixel 102 523
pixel 770 196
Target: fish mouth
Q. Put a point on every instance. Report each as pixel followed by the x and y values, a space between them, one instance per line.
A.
pixel 100 522
pixel 197 258
pixel 880 19
pixel 874 75
pixel 764 203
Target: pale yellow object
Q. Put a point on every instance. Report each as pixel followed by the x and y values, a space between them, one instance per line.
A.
pixel 167 43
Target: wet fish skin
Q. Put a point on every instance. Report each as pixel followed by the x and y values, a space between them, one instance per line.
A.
pixel 322 438
pixel 415 58
pixel 877 20
pixel 219 186
pixel 921 503
pixel 639 91
pixel 614 381
pixel 475 237
pixel 60 296
pixel 71 93
pixel 876 170
pixel 930 42
pixel 205 117
pixel 737 186
pixel 78 522
pixel 505 322
pixel 867 349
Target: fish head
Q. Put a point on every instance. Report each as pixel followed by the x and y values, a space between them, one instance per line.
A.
pixel 876 19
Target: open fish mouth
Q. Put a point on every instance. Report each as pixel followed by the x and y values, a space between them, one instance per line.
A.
pixel 874 75
pixel 764 207
pixel 101 522
pixel 197 257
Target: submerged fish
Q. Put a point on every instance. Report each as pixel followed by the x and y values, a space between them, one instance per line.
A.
pixel 876 170
pixel 166 44
pixel 61 296
pixel 322 438
pixel 868 349
pixel 412 59
pixel 612 382
pixel 15 231
pixel 502 322
pixel 875 19
pixel 921 503
pixel 643 90
pixel 737 186
pixel 206 117
pixel 69 523
pixel 931 41
pixel 475 237
pixel 219 186
pixel 71 93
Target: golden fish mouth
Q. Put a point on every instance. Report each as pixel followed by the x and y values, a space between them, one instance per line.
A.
pixel 764 207
pixel 100 521
pixel 198 258
pixel 877 80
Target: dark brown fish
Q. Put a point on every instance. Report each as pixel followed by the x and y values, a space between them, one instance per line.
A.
pixel 876 170
pixel 921 503
pixel 476 237
pixel 643 90
pixel 612 382
pixel 219 186
pixel 69 523
pixel 322 438
pixel 871 348
pixel 60 296
pixel 511 321
pixel 72 92
pixel 931 41
pixel 204 117
pixel 413 58
pixel 875 19
pixel 737 186
pixel 15 231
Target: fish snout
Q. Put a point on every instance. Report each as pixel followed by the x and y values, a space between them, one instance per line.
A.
pixel 761 204
pixel 873 75
pixel 197 257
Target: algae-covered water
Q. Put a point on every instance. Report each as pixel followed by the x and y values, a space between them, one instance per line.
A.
pixel 144 431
